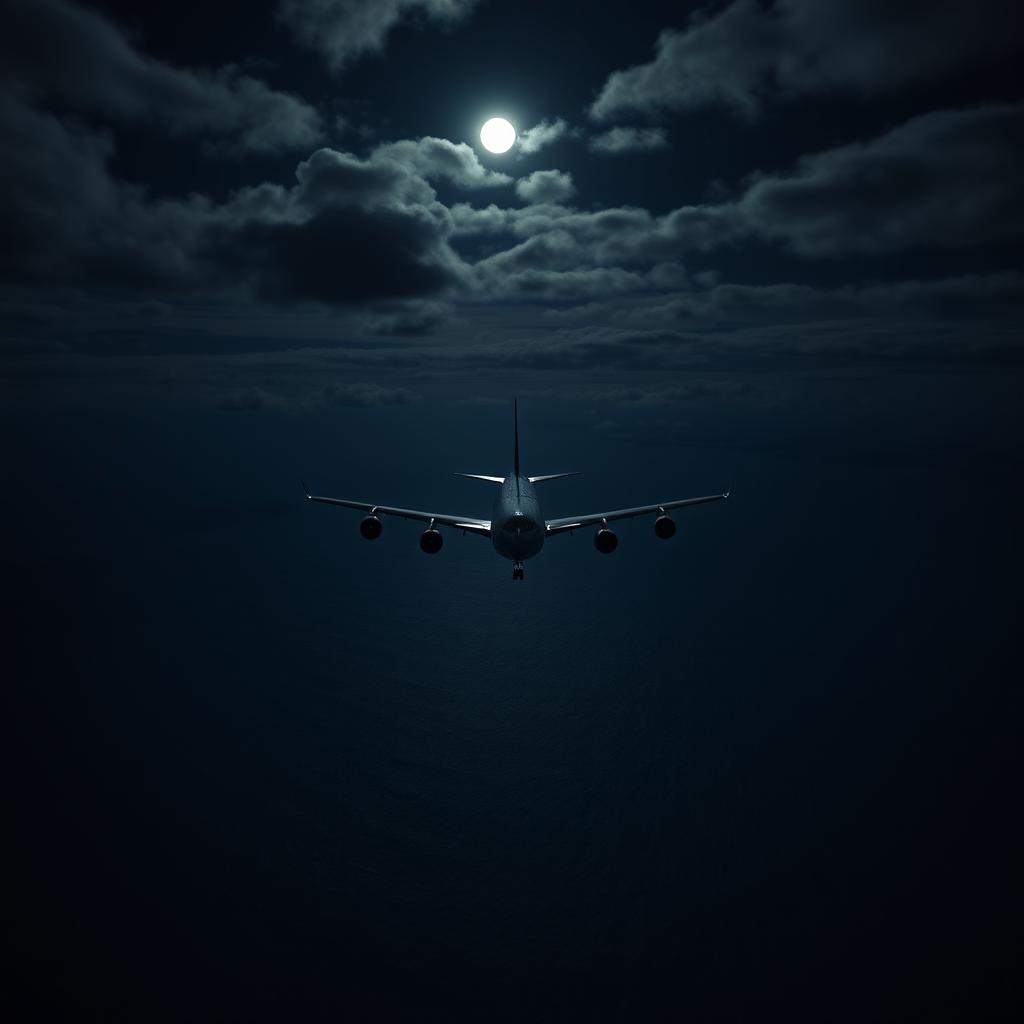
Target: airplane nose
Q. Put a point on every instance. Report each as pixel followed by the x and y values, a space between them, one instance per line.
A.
pixel 520 523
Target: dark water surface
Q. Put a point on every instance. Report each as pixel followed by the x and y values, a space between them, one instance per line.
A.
pixel 263 770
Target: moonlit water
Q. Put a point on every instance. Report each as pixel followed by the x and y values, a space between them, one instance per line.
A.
pixel 381 779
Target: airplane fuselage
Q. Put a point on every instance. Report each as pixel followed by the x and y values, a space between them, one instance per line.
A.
pixel 517 525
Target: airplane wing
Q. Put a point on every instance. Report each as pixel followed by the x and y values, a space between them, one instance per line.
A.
pixel 576 522
pixel 465 523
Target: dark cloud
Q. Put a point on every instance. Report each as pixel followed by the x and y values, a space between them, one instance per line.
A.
pixel 991 303
pixel 717 59
pixel 50 175
pixel 739 54
pixel 356 231
pixel 410 319
pixel 626 139
pixel 54 50
pixel 63 219
pixel 944 180
pixel 363 249
pixel 298 397
pixel 342 30
pixel 343 254
pixel 983 298
pixel 251 399
pixel 572 262
pixel 596 347
pixel 616 236
pixel 660 396
pixel 845 341
pixel 365 395
pixel 554 263
pixel 329 177
pixel 536 284
pixel 434 158
pixel 545 187
pixel 396 172
pixel 469 221
pixel 350 231
pixel 947 179
pixel 534 139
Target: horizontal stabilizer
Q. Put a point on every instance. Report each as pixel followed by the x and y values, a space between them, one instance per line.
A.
pixel 551 476
pixel 481 476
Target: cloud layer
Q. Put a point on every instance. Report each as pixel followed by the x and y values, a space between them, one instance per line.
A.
pixel 57 51
pixel 624 139
pixel 534 139
pixel 417 236
pixel 545 187
pixel 740 55
pixel 342 30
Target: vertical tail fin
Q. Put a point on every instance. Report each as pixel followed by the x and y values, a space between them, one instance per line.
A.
pixel 515 406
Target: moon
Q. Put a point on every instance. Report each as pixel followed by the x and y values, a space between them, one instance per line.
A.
pixel 497 135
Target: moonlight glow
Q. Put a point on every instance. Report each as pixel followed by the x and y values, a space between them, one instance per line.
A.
pixel 497 135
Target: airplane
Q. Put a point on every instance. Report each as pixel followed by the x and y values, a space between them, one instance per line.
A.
pixel 517 528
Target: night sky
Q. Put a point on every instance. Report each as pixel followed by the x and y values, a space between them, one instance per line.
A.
pixel 259 769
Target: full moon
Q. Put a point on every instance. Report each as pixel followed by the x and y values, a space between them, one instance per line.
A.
pixel 497 135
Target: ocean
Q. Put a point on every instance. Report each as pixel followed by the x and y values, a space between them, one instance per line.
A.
pixel 265 770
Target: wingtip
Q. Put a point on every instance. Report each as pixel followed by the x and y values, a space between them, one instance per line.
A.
pixel 305 489
pixel 727 493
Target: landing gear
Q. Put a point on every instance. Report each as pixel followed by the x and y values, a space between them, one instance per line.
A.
pixel 517 571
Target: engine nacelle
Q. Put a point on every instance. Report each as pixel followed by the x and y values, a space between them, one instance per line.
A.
pixel 605 541
pixel 371 527
pixel 431 541
pixel 664 527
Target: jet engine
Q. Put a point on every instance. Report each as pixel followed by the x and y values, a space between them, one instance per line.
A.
pixel 664 527
pixel 431 541
pixel 605 541
pixel 371 527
